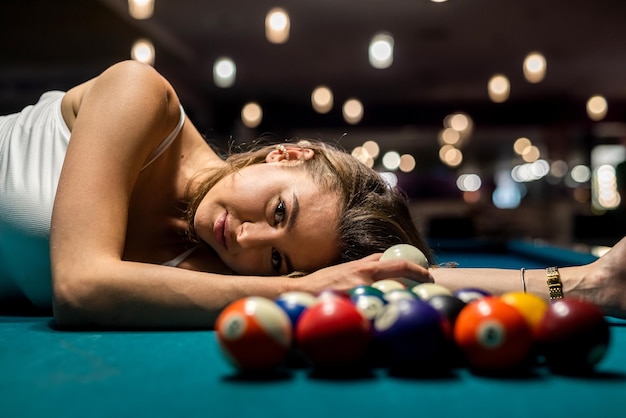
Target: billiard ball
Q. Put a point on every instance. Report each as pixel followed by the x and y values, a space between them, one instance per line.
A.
pixel 397 294
pixel 573 336
pixel 254 334
pixel 294 303
pixel 409 334
pixel 368 300
pixel 425 291
pixel 333 333
pixel 492 335
pixel 387 285
pixel 405 252
pixel 532 307
pixel 448 307
pixel 365 290
pixel 469 294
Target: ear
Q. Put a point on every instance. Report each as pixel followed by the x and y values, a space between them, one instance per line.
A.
pixel 290 153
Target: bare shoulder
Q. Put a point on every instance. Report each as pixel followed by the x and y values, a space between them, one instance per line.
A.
pixel 124 81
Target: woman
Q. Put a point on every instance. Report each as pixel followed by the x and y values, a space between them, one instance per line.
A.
pixel 140 191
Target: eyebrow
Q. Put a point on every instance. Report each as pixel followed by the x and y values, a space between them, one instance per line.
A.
pixel 291 222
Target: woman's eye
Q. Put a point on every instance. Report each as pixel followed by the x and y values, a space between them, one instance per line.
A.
pixel 280 213
pixel 276 260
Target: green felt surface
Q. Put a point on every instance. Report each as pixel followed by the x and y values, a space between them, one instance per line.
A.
pixel 48 373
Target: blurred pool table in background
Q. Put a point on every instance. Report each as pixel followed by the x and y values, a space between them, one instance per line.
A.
pixel 49 373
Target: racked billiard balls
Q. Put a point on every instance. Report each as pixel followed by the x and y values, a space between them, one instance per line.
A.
pixel 573 335
pixel 254 334
pixel 492 335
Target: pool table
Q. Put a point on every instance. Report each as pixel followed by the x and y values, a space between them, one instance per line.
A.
pixel 45 372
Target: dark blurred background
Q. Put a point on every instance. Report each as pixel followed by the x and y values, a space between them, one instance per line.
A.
pixel 565 191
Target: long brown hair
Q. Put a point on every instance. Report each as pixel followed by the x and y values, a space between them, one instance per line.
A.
pixel 374 216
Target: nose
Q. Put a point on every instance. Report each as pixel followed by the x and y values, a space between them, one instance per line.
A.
pixel 256 234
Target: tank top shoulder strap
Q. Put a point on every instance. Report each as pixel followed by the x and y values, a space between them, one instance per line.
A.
pixel 167 141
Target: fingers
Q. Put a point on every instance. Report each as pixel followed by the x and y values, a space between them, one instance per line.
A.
pixel 389 269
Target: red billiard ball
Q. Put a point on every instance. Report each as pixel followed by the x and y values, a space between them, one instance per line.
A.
pixel 294 304
pixel 492 335
pixel 333 333
pixel 254 334
pixel 409 333
pixel 573 336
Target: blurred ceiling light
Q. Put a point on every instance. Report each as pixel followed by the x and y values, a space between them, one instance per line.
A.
pixel 460 122
pixel 143 51
pixel 407 163
pixel 277 26
pixel 251 114
pixel 605 194
pixel 580 173
pixel 597 108
pixel 224 72
pixel 381 50
pixel 450 155
pixel 141 9
pixel 322 99
pixel 468 182
pixel 558 168
pixel 499 88
pixel 531 154
pixel 391 160
pixel 390 178
pixel 372 147
pixel 438 1
pixel 449 136
pixel 520 145
pixel 534 67
pixel 352 111
pixel 361 154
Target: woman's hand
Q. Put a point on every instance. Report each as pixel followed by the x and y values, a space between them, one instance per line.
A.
pixel 603 282
pixel 362 272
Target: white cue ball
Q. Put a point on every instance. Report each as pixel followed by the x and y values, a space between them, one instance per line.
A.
pixel 405 252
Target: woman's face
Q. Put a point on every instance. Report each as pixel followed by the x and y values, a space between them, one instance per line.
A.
pixel 266 219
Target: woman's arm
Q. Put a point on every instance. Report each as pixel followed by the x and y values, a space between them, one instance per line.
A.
pixel 602 282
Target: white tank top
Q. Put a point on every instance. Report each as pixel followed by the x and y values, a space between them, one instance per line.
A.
pixel 33 143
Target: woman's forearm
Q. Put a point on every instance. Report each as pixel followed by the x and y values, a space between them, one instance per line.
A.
pixel 138 295
pixel 499 281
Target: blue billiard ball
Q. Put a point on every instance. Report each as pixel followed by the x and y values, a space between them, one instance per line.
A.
pixel 295 303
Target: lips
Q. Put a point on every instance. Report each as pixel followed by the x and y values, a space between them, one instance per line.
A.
pixel 219 229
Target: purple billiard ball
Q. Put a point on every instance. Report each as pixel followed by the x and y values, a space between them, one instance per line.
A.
pixel 409 333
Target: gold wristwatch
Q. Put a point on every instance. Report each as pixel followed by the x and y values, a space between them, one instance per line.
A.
pixel 554 283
